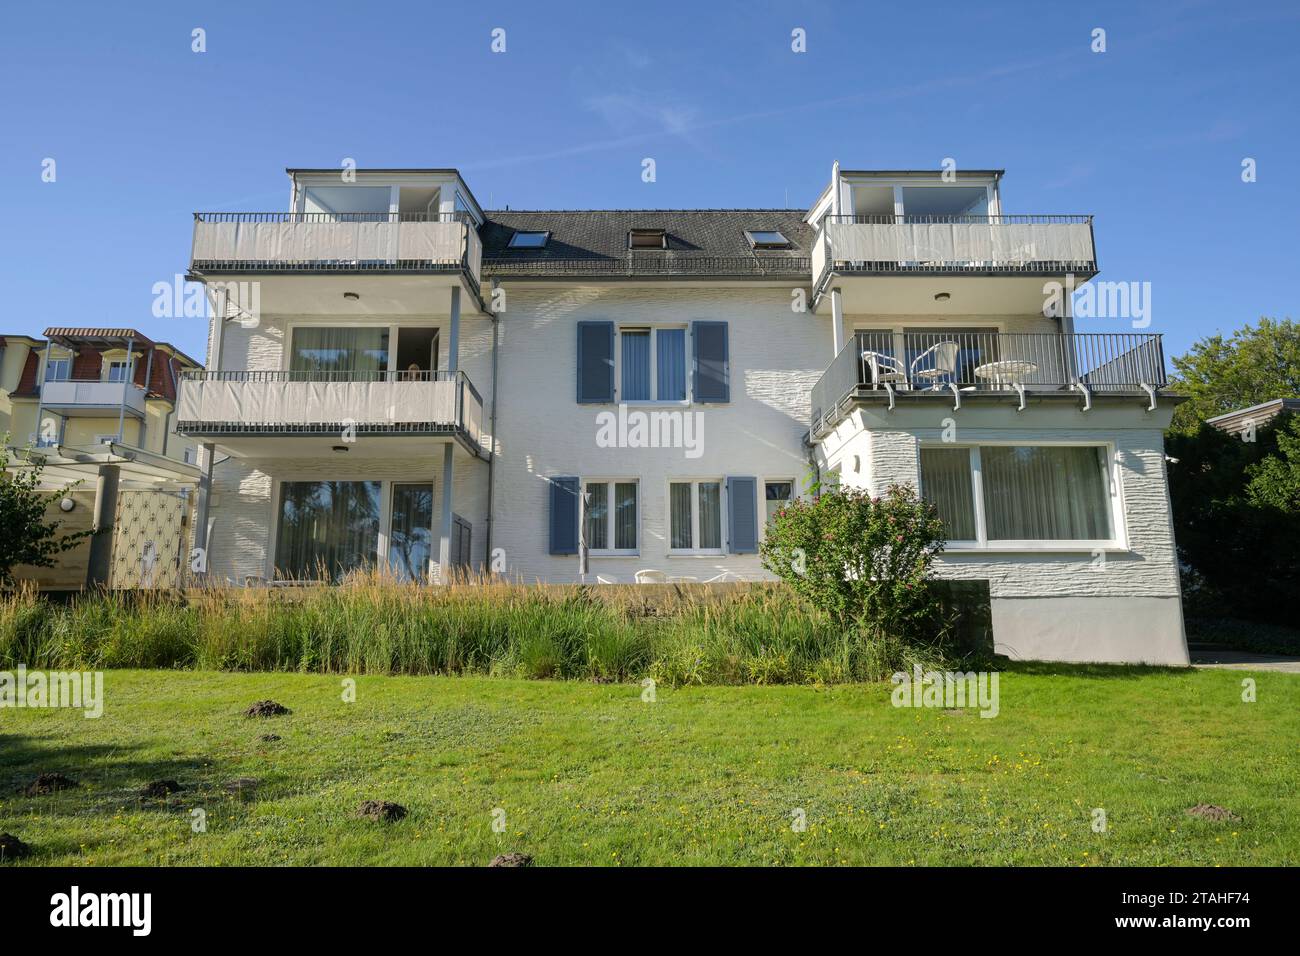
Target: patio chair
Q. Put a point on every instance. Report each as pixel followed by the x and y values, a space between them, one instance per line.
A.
pixel 650 576
pixel 883 368
pixel 942 363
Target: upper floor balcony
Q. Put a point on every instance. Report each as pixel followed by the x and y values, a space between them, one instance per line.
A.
pixel 339 406
pixel 93 398
pixel 950 366
pixel 912 242
pixel 339 242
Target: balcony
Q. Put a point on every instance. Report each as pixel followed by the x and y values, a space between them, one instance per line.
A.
pixel 331 404
pixel 92 398
pixel 891 366
pixel 1024 249
pixel 277 242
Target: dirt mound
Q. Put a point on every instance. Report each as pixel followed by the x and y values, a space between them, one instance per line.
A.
pixel 1208 811
pixel 48 783
pixel 512 859
pixel 269 738
pixel 160 788
pixel 12 848
pixel 267 708
pixel 381 810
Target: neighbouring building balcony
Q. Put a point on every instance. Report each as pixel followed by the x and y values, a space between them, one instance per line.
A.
pixel 404 242
pixel 316 403
pixel 887 245
pixel 92 398
pixel 890 366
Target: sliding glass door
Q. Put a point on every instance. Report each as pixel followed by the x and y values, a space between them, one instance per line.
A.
pixel 410 540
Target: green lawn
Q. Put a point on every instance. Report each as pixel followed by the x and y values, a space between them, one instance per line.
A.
pixel 591 774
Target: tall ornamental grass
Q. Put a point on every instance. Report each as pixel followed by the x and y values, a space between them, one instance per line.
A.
pixel 682 635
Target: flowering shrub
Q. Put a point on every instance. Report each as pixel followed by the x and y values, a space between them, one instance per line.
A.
pixel 864 561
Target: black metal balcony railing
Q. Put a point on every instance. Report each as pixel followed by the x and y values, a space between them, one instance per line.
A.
pixel 972 362
pixel 335 217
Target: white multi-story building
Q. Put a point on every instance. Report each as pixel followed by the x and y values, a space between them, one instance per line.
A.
pixel 403 379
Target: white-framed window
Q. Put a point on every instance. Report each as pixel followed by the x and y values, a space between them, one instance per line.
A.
pixel 611 515
pixel 652 364
pixel 58 369
pixel 1022 496
pixel 695 516
pixel 777 493
pixel 118 370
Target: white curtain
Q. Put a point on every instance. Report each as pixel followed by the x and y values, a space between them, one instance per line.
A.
pixel 625 515
pixel 946 484
pixel 710 514
pixel 680 506
pixel 597 511
pixel 1045 493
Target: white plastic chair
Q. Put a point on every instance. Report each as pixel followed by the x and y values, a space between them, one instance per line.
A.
pixel 884 368
pixel 943 363
pixel 602 579
pixel 650 576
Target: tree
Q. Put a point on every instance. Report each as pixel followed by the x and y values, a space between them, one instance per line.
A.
pixel 1236 508
pixel 28 538
pixel 865 561
pixel 1255 364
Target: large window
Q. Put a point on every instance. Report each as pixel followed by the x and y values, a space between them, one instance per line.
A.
pixel 1012 494
pixel 340 351
pixel 652 365
pixel 327 528
pixel 610 516
pixel 695 515
pixel 119 371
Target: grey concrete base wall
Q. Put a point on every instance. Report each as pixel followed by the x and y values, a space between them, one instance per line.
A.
pixel 1113 630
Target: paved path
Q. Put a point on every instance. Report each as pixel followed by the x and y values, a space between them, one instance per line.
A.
pixel 1245 661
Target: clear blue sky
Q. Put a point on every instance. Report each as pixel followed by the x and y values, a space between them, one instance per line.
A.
pixel 1148 136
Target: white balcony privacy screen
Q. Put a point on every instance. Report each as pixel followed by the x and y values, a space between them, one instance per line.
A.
pixel 261 402
pixel 960 242
pixel 61 393
pixel 439 242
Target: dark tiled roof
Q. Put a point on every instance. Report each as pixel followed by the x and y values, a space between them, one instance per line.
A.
pixel 593 242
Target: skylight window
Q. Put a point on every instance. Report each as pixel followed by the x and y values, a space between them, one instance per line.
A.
pixel 647 239
pixel 767 239
pixel 528 240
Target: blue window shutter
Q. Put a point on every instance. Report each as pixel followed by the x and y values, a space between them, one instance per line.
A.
pixel 742 515
pixel 595 362
pixel 712 362
pixel 564 516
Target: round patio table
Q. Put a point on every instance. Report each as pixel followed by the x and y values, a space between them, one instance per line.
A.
pixel 1006 371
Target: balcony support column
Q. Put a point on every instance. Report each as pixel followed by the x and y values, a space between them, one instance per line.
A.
pixel 128 379
pixel 207 455
pixel 453 333
pixel 99 566
pixel 837 320
pixel 444 544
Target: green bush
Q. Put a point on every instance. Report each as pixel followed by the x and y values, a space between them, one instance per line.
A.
pixel 864 561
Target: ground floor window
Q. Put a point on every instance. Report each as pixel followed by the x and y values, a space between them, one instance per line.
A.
pixel 695 515
pixel 327 528
pixel 776 495
pixel 610 519
pixel 1000 494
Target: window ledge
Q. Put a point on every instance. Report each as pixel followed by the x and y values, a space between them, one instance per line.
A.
pixel 1046 548
pixel 697 554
